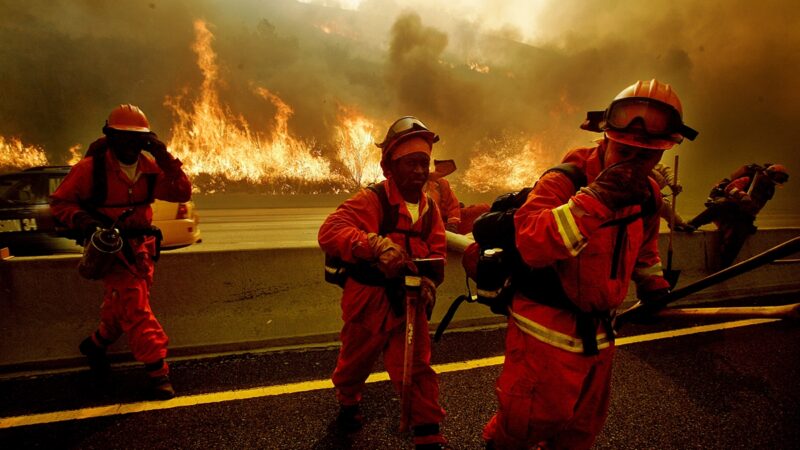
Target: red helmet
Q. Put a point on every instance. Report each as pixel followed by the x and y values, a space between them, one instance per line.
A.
pixel 778 173
pixel 128 118
pixel 645 114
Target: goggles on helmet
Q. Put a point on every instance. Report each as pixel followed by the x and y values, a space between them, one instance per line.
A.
pixel 406 126
pixel 654 117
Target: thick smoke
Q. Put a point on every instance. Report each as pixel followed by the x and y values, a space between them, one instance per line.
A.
pixel 474 72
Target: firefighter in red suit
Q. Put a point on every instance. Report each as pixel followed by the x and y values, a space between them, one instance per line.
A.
pixel 372 324
pixel 126 179
pixel 734 203
pixel 554 388
pixel 439 189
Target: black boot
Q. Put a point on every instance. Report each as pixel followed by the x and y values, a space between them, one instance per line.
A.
pixel 349 419
pixel 160 385
pixel 96 357
pixel 161 388
pixel 424 433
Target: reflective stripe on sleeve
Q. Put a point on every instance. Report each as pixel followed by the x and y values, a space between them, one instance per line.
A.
pixel 644 272
pixel 568 229
pixel 554 338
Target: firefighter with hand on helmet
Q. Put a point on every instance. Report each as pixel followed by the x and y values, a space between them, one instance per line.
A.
pixel 554 388
pixel 115 184
pixel 377 253
pixel 734 203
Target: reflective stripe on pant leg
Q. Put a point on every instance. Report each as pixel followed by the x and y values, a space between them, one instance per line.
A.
pixel 537 391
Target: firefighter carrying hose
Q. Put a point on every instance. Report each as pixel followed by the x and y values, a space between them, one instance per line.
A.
pixel 375 234
pixel 734 202
pixel 113 180
pixel 554 388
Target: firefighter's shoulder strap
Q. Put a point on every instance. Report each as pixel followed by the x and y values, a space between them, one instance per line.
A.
pixel 100 181
pixel 337 271
pixel 390 214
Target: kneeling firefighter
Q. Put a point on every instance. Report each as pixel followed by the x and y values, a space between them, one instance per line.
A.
pixel 105 200
pixel 581 247
pixel 374 236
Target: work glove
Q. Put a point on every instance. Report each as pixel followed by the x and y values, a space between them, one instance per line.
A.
pixel 85 223
pixel 428 295
pixel 159 151
pixel 651 304
pixel 623 184
pixel 392 259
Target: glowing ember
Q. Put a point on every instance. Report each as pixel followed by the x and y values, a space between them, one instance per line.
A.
pixel 478 67
pixel 14 155
pixel 218 147
pixel 357 149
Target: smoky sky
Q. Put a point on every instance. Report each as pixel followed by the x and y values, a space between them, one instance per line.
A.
pixel 65 63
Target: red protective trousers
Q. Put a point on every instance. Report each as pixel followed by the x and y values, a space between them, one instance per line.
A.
pixel 549 397
pixel 362 347
pixel 126 309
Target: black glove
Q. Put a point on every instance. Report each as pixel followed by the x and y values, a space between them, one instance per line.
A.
pixel 652 303
pixel 623 184
pixel 85 223
pixel 158 149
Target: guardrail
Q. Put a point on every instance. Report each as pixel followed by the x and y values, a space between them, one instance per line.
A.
pixel 240 300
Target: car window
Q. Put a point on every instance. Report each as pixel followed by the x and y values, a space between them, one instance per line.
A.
pixel 24 190
pixel 53 183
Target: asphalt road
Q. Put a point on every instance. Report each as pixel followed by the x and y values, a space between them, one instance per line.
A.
pixel 722 389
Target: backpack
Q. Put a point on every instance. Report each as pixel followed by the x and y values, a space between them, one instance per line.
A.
pixel 501 271
pixel 499 259
pixel 337 271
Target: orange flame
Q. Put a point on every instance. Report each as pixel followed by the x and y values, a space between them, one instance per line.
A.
pixel 14 155
pixel 356 148
pixel 515 162
pixel 518 161
pixel 75 154
pixel 218 147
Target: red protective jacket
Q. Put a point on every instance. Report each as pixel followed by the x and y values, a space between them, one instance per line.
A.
pixel 347 228
pixel 752 193
pixel 171 185
pixel 561 228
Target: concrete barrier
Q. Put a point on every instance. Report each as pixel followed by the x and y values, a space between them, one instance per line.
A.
pixel 240 300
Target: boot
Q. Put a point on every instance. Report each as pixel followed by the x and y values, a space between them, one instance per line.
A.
pixel 349 419
pixel 96 357
pixel 161 388
pixel 429 437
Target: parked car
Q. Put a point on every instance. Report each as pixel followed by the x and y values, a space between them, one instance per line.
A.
pixel 27 226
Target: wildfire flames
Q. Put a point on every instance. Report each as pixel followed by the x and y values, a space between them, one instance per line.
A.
pixel 218 147
pixel 221 151
pixel 357 149
pixel 14 155
pixel 514 163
